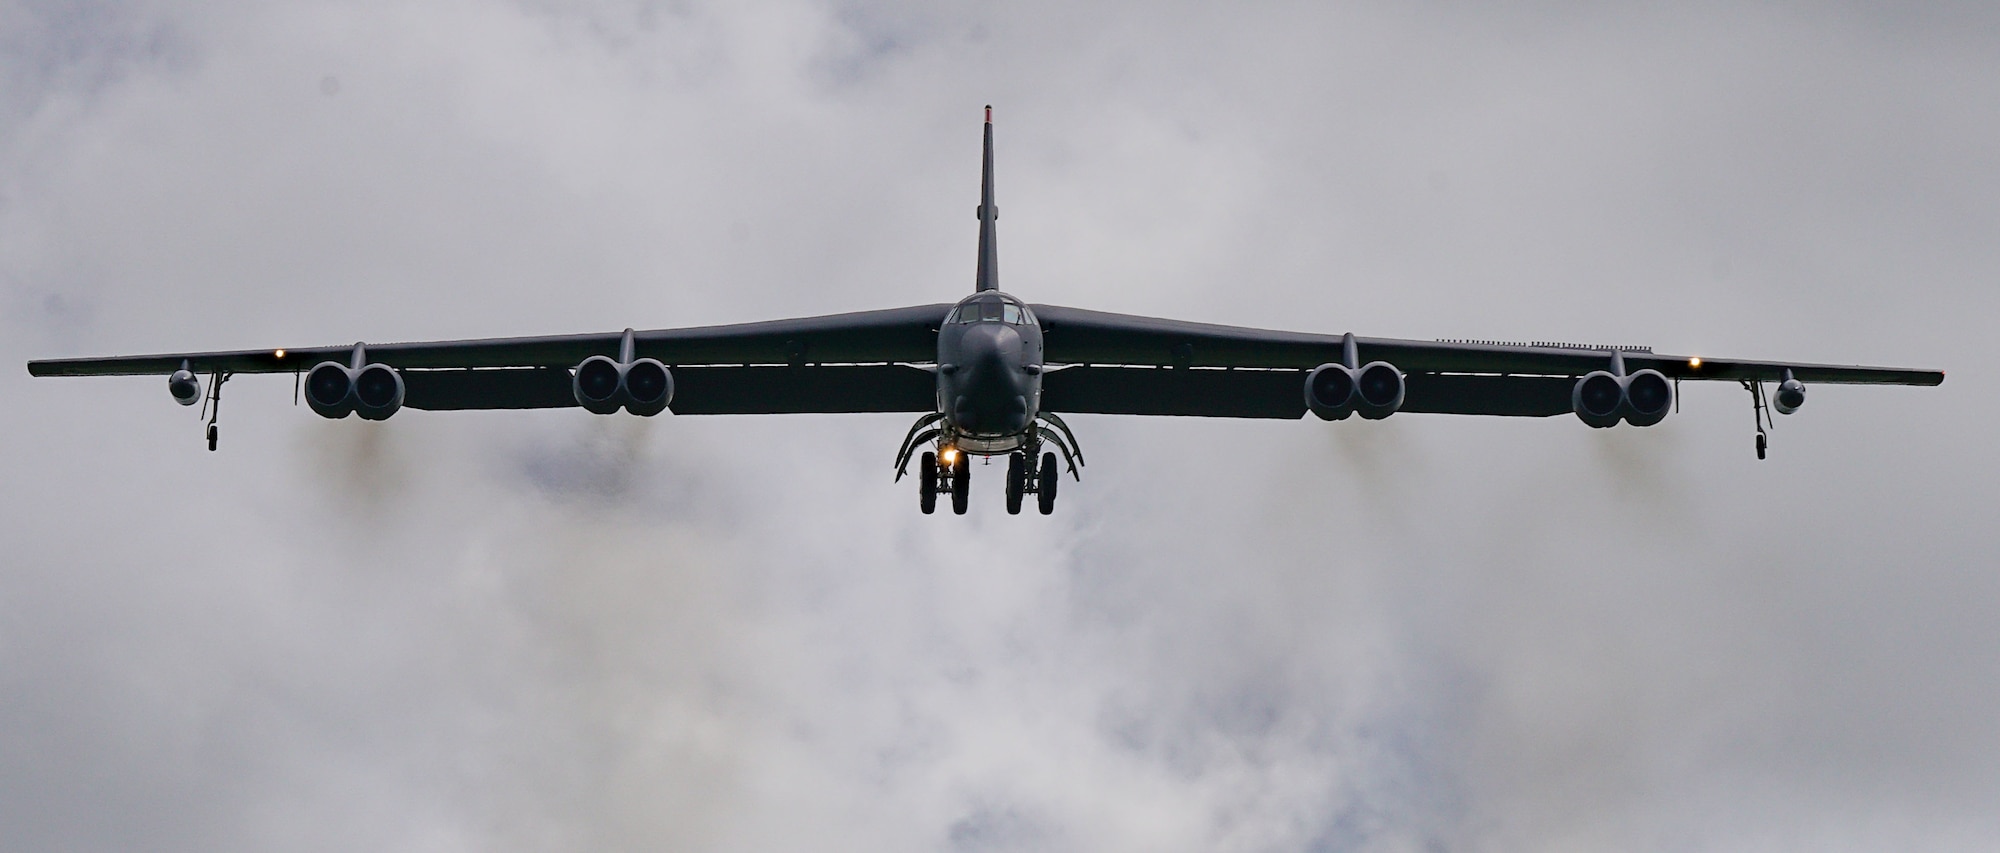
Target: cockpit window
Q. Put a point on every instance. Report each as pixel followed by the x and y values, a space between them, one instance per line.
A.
pixel 992 308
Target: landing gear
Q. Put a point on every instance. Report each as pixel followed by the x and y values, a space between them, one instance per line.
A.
pixel 1017 481
pixel 1758 411
pixel 927 482
pixel 211 407
pixel 1045 489
pixel 947 470
pixel 961 483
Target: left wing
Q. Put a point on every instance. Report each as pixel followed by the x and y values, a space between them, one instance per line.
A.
pixel 1114 366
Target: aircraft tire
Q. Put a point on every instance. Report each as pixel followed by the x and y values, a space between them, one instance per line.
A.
pixel 1045 486
pixel 961 485
pixel 1017 481
pixel 927 482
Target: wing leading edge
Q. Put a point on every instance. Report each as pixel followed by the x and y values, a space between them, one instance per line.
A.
pixel 887 336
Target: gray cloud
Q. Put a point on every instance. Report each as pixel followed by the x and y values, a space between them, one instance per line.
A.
pixel 544 630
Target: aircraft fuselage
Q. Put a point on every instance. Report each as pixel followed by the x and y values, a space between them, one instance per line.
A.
pixel 989 375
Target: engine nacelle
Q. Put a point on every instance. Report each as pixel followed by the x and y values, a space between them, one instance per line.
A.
pixel 1602 398
pixel 649 387
pixel 1649 396
pixel 1597 399
pixel 1791 395
pixel 185 386
pixel 602 386
pixel 330 390
pixel 378 392
pixel 334 390
pixel 1330 392
pixel 1334 391
pixel 1380 387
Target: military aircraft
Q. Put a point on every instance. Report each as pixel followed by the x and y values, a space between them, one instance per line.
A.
pixel 991 375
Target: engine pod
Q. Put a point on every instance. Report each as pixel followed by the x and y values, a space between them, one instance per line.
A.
pixel 1648 398
pixel 1597 398
pixel 378 392
pixel 1331 391
pixel 649 387
pixel 330 390
pixel 599 385
pixel 1790 396
pixel 1379 389
pixel 185 386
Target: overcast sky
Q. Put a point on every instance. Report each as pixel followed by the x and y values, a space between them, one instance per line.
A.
pixel 549 630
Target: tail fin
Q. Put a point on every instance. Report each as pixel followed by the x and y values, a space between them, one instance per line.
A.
pixel 989 254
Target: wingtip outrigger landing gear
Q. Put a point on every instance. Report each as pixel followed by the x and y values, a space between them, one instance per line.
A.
pixel 1758 411
pixel 211 407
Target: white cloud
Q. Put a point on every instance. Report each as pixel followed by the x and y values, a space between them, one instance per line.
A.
pixel 545 630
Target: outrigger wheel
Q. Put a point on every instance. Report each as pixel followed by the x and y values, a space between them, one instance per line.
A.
pixel 961 483
pixel 927 477
pixel 1045 486
pixel 1017 481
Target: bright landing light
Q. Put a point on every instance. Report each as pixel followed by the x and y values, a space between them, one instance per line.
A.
pixel 949 455
pixel 1694 363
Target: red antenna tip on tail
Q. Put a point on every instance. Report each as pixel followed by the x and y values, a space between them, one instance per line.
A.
pixel 989 113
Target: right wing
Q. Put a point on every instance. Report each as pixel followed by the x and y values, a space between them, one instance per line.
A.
pixel 698 390
pixel 860 362
pixel 887 336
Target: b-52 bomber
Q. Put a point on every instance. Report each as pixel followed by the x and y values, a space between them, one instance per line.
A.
pixel 991 375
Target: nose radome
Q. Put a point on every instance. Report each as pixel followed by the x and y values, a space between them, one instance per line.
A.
pixel 994 340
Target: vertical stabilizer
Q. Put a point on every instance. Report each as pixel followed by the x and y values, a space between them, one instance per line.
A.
pixel 989 254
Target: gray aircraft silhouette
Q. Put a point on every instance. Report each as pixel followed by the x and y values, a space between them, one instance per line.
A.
pixel 991 375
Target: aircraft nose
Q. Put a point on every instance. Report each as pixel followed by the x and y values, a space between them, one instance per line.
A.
pixel 992 344
pixel 990 398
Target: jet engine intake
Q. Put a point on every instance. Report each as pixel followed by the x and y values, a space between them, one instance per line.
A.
pixel 1791 395
pixel 643 387
pixel 1597 398
pixel 1648 398
pixel 649 387
pixel 1380 386
pixel 1602 398
pixel 1330 392
pixel 185 387
pixel 330 390
pixel 334 390
pixel 1334 391
pixel 378 392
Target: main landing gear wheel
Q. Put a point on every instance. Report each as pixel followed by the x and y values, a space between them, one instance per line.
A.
pixel 961 484
pixel 1045 486
pixel 927 477
pixel 1017 481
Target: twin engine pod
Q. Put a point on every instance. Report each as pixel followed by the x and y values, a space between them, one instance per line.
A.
pixel 373 391
pixel 1602 398
pixel 1334 391
pixel 643 387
